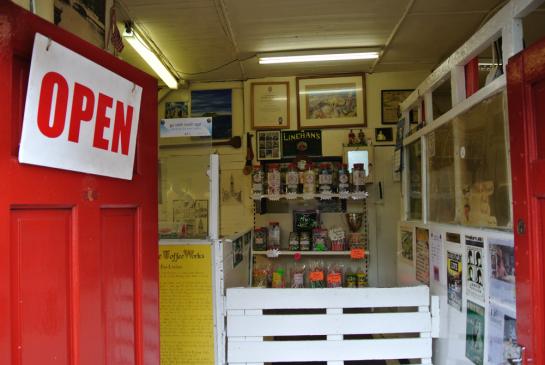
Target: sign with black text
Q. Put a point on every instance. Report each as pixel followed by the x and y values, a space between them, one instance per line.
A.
pixel 79 116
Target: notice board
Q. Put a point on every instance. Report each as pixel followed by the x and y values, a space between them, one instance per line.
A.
pixel 186 304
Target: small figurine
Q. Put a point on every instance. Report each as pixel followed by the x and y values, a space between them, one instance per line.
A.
pixel 361 137
pixel 351 137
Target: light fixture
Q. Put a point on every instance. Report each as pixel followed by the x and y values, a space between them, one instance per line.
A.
pixel 318 56
pixel 151 58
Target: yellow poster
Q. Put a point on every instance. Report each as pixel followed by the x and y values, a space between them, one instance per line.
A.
pixel 186 305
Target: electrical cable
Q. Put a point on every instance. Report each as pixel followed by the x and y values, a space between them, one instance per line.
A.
pixel 218 67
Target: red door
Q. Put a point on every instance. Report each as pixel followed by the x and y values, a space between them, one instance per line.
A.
pixel 526 95
pixel 78 252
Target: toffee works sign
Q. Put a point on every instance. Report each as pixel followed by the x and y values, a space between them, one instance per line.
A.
pixel 307 142
pixel 79 116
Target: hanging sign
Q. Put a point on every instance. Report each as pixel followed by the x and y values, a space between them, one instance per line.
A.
pixel 186 127
pixel 307 142
pixel 78 116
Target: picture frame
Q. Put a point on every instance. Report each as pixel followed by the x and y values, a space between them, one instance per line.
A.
pixel 384 135
pixel 336 101
pixel 389 104
pixel 269 145
pixel 270 105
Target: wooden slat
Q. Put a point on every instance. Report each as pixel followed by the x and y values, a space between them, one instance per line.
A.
pixel 257 298
pixel 321 324
pixel 270 351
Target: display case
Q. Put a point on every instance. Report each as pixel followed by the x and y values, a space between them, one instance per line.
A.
pixel 309 239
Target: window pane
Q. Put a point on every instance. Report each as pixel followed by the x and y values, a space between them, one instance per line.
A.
pixel 414 151
pixel 467 162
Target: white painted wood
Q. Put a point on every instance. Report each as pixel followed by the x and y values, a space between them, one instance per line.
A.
pixel 428 106
pixel 214 201
pixel 258 298
pixel 476 44
pixel 435 315
pixel 269 351
pixel 458 84
pixel 321 324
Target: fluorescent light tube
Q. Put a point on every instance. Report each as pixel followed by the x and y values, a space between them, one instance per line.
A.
pixel 151 59
pixel 318 57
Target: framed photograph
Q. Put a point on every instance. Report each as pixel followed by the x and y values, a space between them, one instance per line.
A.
pixel 389 102
pixel 270 105
pixel 331 102
pixel 269 145
pixel 384 135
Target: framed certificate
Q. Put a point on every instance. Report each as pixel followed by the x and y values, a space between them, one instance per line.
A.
pixel 270 105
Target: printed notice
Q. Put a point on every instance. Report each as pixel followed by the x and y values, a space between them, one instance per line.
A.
pixel 422 256
pixel 475 333
pixel 454 279
pixel 502 270
pixel 502 335
pixel 186 308
pixel 475 274
pixel 436 249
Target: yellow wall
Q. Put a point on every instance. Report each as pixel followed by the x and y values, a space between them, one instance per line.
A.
pixel 237 217
pixel 44 8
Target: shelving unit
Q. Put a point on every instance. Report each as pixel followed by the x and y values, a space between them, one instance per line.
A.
pixel 309 253
pixel 283 213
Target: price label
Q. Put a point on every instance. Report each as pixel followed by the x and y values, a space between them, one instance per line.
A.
pixel 316 276
pixel 334 278
pixel 357 253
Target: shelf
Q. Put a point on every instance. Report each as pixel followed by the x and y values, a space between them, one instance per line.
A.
pixel 345 196
pixel 309 253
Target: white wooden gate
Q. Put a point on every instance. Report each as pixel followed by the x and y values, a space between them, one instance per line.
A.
pixel 354 324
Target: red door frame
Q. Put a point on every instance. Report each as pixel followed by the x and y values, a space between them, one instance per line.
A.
pixel 87 196
pixel 525 71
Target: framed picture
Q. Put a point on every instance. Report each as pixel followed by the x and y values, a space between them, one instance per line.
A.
pixel 215 104
pixel 331 102
pixel 269 145
pixel 175 109
pixel 389 102
pixel 270 105
pixel 384 135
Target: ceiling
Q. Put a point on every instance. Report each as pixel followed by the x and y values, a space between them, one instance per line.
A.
pixel 212 40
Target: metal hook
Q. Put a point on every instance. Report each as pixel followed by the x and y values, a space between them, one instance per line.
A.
pixel 49 41
pixel 133 87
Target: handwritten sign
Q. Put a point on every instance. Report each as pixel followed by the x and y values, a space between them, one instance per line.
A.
pixel 186 307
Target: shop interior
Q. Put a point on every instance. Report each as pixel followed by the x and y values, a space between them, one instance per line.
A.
pixel 385 172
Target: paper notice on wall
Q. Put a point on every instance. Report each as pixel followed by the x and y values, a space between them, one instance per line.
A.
pixel 475 333
pixel 502 335
pixel 454 280
pixel 475 278
pixel 436 250
pixel 502 270
pixel 186 307
pixel 422 256
pixel 186 127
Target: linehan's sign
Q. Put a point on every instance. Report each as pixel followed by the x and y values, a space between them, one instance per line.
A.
pixel 78 116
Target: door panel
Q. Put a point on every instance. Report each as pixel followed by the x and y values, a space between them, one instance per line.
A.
pixel 526 98
pixel 40 246
pixel 118 269
pixel 91 240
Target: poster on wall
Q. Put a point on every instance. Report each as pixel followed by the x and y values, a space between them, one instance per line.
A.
pixel 186 304
pixel 475 273
pixel 475 333
pixel 502 335
pixel 502 270
pixel 436 249
pixel 406 243
pixel 454 280
pixel 215 104
pixel 422 256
